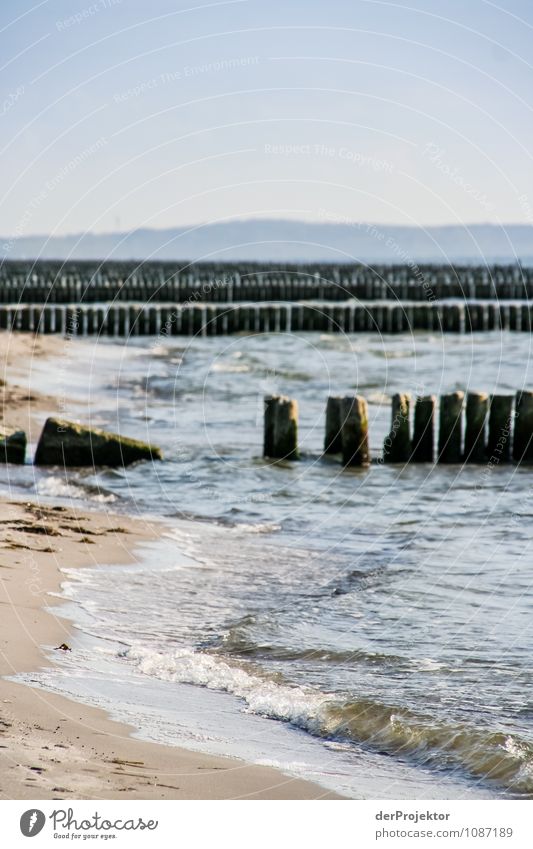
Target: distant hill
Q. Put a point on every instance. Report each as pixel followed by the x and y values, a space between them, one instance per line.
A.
pixel 291 241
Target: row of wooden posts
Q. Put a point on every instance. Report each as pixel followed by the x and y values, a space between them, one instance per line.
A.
pixel 122 321
pixel 497 429
pixel 90 282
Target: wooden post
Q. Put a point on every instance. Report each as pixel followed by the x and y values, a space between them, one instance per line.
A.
pixel 424 430
pixel 397 445
pixel 523 429
pixel 333 438
pixel 46 320
pixel 280 428
pixel 354 429
pixel 500 420
pixel 450 427
pixel 477 406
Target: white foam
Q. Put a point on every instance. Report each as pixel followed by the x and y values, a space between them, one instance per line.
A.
pixel 230 368
pixel 57 487
pixel 263 696
pixel 427 664
pixel 257 528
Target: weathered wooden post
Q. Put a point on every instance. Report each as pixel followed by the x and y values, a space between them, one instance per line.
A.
pixel 354 429
pixel 280 428
pixel 333 438
pixel 523 429
pixel 500 420
pixel 424 430
pixel 450 427
pixel 477 407
pixel 397 445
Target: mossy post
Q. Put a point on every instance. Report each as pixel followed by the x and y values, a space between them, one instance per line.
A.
pixel 333 438
pixel 281 428
pixel 65 443
pixel 523 429
pixel 354 430
pixel 500 422
pixel 450 427
pixel 397 445
pixel 477 407
pixel 423 447
pixel 12 445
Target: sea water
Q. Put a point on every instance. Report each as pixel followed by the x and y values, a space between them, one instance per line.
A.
pixel 369 629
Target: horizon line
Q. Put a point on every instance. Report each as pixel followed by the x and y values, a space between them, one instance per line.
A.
pixel 199 225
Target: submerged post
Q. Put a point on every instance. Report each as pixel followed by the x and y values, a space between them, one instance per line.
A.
pixel 424 430
pixel 500 420
pixel 450 427
pixel 523 429
pixel 354 429
pixel 477 407
pixel 397 445
pixel 333 438
pixel 280 428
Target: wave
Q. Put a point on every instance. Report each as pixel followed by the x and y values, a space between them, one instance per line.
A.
pixel 229 524
pixel 263 694
pixel 57 487
pixel 492 756
pixel 256 527
pixel 238 645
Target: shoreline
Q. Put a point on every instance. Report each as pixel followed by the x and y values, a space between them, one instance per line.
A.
pixel 52 747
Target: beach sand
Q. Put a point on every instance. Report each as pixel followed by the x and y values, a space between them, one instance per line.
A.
pixel 50 747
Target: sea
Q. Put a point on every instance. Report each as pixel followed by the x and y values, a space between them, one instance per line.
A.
pixel 367 629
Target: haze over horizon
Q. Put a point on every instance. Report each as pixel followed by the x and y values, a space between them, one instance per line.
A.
pixel 119 118
pixel 288 241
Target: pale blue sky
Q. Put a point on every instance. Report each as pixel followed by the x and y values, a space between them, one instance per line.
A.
pixel 128 114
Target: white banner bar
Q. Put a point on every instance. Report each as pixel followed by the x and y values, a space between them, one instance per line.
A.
pixel 268 825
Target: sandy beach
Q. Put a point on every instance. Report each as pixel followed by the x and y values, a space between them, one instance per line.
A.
pixel 50 747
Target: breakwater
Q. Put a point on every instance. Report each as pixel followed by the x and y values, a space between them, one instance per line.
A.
pixel 165 282
pixel 209 319
pixel 476 428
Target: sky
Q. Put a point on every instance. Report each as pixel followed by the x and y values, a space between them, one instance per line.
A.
pixel 119 114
